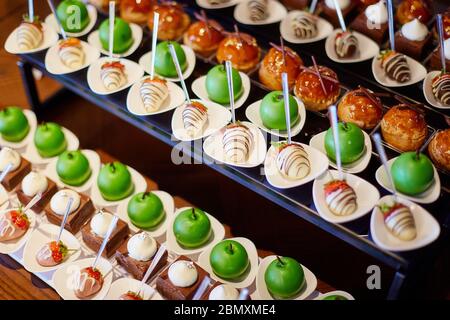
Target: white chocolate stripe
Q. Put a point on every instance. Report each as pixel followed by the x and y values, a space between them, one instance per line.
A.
pixel 153 95
pixel 28 36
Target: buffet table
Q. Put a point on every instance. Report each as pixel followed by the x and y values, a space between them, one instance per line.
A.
pixel 296 200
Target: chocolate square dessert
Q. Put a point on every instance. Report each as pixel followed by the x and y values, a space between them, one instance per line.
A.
pixel 46 196
pixel 435 60
pixel 364 26
pixel 172 292
pixel 94 241
pixel 13 178
pixel 138 268
pixel 331 15
pixel 414 49
pixel 76 219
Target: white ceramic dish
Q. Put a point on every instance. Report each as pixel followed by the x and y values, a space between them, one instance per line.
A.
pixel 367 48
pixel 132 70
pixel 54 65
pixel 136 106
pixel 9 247
pixel 50 37
pixel 92 11
pixel 252 114
pixel 41 236
pixel 218 117
pixel 430 195
pixel 94 163
pixel 140 185
pixel 318 161
pixel 218 233
pixel 63 278
pixel 123 285
pixel 324 28
pixel 160 230
pixel 418 73
pixel 428 91
pixel 136 33
pixel 206 5
pixel 428 228
pixel 146 60
pixel 32 155
pixel 318 142
pixel 4 199
pixel 213 147
pixel 199 89
pixel 32 121
pixel 367 196
pixel 264 294
pixel 346 295
pixel 276 12
pixel 248 278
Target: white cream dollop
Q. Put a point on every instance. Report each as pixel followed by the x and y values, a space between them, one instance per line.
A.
pixel 377 13
pixel 342 3
pixel 447 49
pixel 141 246
pixel 33 183
pixel 100 223
pixel 8 155
pixel 414 30
pixel 224 292
pixel 183 273
pixel 59 201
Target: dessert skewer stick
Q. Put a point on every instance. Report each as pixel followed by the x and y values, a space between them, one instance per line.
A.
pixel 230 88
pixel 64 220
pixel 337 146
pixel 112 16
pixel 340 16
pixel 440 28
pixel 202 288
pixel 5 171
pixel 244 294
pixel 382 153
pixel 32 202
pixel 150 269
pixel 154 40
pixel 111 228
pixel 312 7
pixel 180 74
pixel 31 10
pixel 284 79
pixel 391 24
pixel 52 8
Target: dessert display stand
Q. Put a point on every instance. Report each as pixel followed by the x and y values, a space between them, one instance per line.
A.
pixel 406 267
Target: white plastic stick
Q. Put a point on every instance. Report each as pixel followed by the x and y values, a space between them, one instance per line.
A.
pixel 340 16
pixel 440 28
pixel 381 152
pixel 31 10
pixel 154 40
pixel 230 88
pixel 391 24
pixel 111 228
pixel 52 8
pixel 112 15
pixel 312 7
pixel 63 222
pixel 152 266
pixel 202 288
pixel 284 78
pixel 180 74
pixel 337 146
pixel 5 171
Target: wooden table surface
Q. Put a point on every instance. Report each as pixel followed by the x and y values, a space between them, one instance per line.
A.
pixel 17 283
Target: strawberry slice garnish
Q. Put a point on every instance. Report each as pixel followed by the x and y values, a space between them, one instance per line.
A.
pixel 335 185
pixel 133 295
pixel 387 210
pixel 59 251
pixel 94 273
pixel 113 64
pixel 20 219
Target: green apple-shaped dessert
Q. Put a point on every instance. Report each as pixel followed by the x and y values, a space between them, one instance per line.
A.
pixel 272 112
pixel 412 173
pixel 146 210
pixel 73 15
pixel 164 65
pixel 335 297
pixel 192 228
pixel 217 84
pixel 73 168
pixel 284 278
pixel 351 139
pixel 123 36
pixel 49 140
pixel 114 181
pixel 14 126
pixel 229 259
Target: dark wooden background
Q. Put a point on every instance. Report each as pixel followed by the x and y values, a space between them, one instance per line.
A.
pixel 247 213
